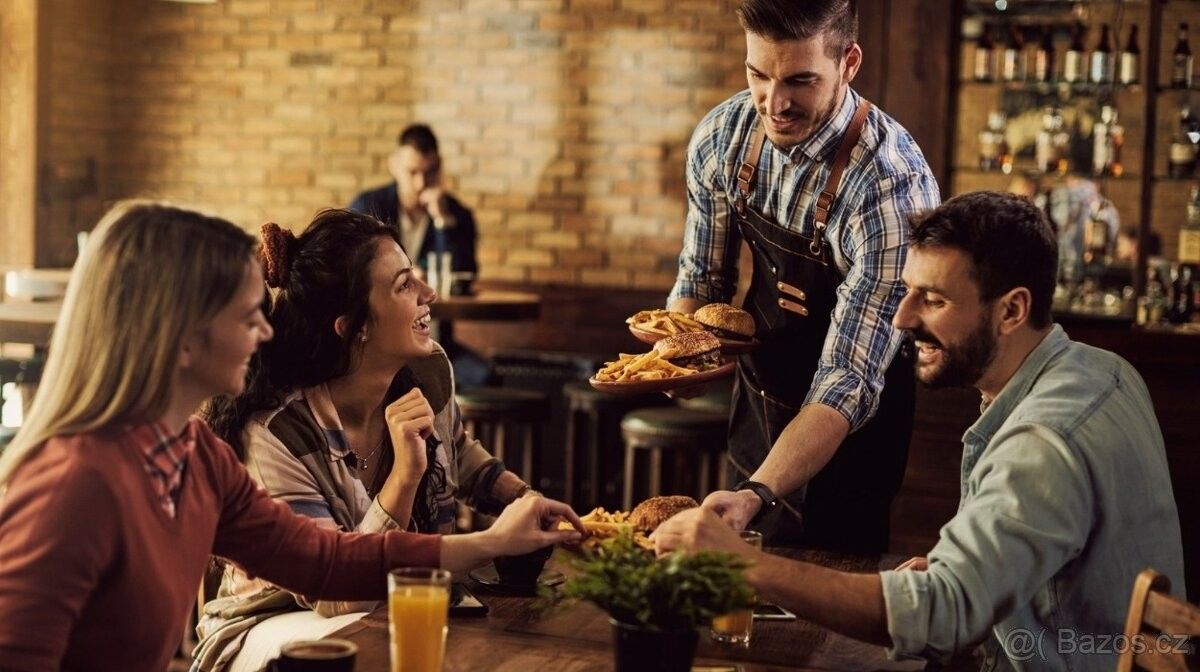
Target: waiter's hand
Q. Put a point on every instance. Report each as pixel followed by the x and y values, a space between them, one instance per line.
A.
pixel 735 508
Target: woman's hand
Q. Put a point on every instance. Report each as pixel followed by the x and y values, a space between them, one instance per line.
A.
pixel 530 523
pixel 409 422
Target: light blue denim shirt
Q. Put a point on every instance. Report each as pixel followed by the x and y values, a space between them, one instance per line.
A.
pixel 1065 497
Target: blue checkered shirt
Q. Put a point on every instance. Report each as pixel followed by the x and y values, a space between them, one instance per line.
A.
pixel 868 231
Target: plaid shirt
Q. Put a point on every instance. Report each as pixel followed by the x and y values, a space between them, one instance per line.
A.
pixel 868 231
pixel 166 457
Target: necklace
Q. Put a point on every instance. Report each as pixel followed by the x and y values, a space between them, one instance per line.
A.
pixel 361 460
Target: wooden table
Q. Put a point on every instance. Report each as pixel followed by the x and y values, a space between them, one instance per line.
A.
pixel 488 305
pixel 28 322
pixel 578 638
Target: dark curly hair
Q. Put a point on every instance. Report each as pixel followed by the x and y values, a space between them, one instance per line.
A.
pixel 322 275
pixel 1008 239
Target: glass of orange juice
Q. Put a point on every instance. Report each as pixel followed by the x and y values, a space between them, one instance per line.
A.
pixel 418 602
pixel 734 627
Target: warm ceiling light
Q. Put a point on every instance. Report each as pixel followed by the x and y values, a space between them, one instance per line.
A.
pixel 195 2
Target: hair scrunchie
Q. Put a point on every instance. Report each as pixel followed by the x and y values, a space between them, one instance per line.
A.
pixel 276 253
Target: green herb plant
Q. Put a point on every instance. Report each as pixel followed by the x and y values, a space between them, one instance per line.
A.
pixel 673 592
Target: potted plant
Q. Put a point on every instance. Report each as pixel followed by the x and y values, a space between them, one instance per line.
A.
pixel 656 604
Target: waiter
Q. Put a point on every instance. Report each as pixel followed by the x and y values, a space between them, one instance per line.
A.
pixel 819 183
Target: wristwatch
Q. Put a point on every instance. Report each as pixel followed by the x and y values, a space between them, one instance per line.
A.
pixel 769 500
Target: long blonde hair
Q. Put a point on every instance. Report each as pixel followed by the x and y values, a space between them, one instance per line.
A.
pixel 150 275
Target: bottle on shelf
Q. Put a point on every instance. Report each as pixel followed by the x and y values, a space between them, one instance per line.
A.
pixel 1107 138
pixel 1183 305
pixel 1102 58
pixel 1181 60
pixel 1130 66
pixel 1189 233
pixel 1181 156
pixel 994 150
pixel 1073 59
pixel 984 70
pixel 1096 238
pixel 1012 67
pixel 1053 145
pixel 1152 306
pixel 1043 57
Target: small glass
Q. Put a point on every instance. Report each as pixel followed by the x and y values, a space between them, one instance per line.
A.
pixel 418 603
pixel 735 627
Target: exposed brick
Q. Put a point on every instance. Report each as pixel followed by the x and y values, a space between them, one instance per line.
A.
pixel 563 122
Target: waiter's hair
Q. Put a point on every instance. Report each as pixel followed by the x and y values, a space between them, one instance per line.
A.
pixel 783 20
pixel 328 276
pixel 420 137
pixel 151 275
pixel 1009 240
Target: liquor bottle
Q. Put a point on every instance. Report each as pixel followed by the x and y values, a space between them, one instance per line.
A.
pixel 1183 306
pixel 1107 138
pixel 1095 234
pixel 984 63
pixel 1043 58
pixel 1073 60
pixel 1053 145
pixel 1043 149
pixel 1189 233
pixel 1102 58
pixel 1011 69
pixel 1181 156
pixel 994 152
pixel 1131 59
pixel 1151 308
pixel 1181 61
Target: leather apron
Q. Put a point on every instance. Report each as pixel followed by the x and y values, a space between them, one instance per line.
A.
pixel 792 294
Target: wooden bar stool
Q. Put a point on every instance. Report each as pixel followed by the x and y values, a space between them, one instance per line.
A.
pixel 594 450
pixel 694 441
pixel 495 414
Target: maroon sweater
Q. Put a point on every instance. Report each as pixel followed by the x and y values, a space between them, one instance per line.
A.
pixel 95 575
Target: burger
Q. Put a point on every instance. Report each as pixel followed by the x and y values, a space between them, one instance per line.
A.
pixel 698 350
pixel 725 321
pixel 648 515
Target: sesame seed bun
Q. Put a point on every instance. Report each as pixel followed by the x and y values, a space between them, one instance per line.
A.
pixel 687 345
pixel 730 322
pixel 651 513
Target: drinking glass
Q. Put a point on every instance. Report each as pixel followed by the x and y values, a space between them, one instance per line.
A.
pixel 734 627
pixel 418 601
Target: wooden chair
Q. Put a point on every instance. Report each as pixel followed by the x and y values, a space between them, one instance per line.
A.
pixel 1152 613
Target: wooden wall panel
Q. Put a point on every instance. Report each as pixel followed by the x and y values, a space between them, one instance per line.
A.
pixel 18 130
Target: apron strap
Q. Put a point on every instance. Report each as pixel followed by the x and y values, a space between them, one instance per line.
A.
pixel 745 174
pixel 840 161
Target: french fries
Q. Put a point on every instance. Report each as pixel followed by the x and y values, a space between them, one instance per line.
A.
pixel 664 322
pixel 601 525
pixel 646 366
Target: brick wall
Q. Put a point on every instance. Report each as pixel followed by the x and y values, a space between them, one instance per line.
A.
pixel 563 122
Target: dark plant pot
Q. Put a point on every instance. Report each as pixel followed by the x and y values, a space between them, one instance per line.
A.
pixel 640 649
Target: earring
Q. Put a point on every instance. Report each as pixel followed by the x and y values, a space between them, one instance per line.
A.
pixel 363 337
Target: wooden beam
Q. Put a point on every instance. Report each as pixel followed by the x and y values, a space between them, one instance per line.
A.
pixel 18 131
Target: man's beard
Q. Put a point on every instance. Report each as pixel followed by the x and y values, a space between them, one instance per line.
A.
pixel 961 365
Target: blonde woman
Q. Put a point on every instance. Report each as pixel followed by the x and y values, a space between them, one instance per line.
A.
pixel 112 496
